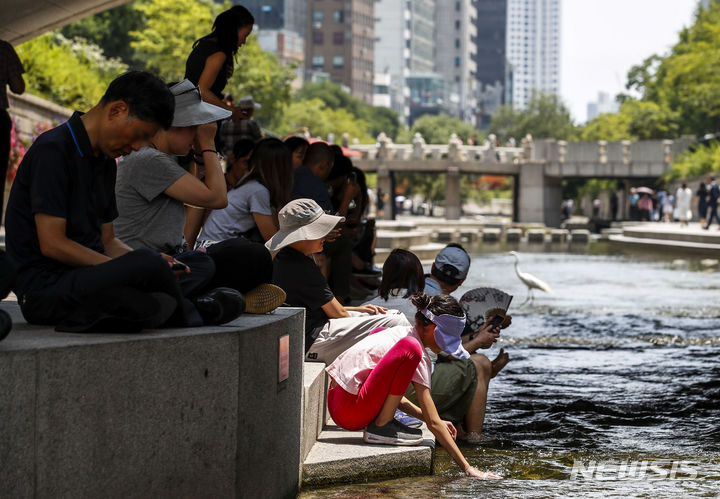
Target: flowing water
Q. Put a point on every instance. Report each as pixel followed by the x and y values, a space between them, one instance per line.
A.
pixel 619 367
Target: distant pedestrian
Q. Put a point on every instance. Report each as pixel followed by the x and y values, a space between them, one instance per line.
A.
pixel 713 199
pixel 645 208
pixel 241 127
pixel 11 70
pixel 683 201
pixel 702 203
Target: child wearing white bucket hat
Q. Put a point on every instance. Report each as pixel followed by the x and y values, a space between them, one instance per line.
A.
pixel 330 328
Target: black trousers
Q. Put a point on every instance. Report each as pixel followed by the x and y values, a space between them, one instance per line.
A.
pixel 130 278
pixel 240 264
pixel 713 214
pixel 5 129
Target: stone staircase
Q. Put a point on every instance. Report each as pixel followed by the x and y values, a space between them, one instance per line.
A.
pixel 332 455
pixel 666 237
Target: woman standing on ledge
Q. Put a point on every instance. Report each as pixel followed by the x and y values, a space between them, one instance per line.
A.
pixel 369 380
pixel 210 63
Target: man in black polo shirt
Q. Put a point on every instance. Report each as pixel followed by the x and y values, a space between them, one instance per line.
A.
pixel 73 272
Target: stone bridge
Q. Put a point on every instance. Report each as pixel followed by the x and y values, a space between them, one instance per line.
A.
pixel 538 167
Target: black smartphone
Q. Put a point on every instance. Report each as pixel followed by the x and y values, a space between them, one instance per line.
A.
pixel 179 266
pixel 497 321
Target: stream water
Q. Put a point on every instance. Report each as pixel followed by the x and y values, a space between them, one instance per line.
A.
pixel 613 388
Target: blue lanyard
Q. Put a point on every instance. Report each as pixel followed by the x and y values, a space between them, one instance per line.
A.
pixel 74 139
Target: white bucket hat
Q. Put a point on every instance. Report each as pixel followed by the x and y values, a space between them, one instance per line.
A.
pixel 191 110
pixel 301 220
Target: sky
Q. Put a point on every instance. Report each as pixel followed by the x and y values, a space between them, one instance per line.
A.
pixel 603 39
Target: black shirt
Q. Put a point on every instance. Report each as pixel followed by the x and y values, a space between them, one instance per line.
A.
pixel 304 285
pixel 309 186
pixel 59 176
pixel 196 63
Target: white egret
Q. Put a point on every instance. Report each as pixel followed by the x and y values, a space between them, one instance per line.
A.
pixel 529 280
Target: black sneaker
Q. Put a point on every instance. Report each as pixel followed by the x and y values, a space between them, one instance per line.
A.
pixel 393 433
pixel 219 306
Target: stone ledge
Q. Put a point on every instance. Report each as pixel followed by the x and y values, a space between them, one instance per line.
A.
pixel 168 413
pixel 341 456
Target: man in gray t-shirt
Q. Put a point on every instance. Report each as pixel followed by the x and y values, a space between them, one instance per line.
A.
pixel 149 218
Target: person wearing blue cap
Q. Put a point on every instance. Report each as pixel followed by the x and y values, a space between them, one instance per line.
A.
pixel 460 386
pixel 369 379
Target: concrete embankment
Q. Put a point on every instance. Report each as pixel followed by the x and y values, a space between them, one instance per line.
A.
pixel 202 412
pixel 667 237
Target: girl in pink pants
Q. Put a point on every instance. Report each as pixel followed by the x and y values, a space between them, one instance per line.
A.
pixel 369 380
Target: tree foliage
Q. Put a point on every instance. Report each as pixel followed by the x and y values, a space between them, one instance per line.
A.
pixel 72 73
pixel 321 120
pixel 437 129
pixel 170 28
pixel 546 117
pixel 379 119
pixel 109 30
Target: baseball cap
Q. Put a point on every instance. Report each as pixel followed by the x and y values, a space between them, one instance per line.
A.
pixel 451 265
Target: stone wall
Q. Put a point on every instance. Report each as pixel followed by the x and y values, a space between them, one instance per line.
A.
pixel 29 110
pixel 170 413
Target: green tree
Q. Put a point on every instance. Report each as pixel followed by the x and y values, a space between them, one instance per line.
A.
pixel 437 129
pixel 607 126
pixel 72 73
pixel 170 29
pixel 546 117
pixel 321 120
pixel 379 119
pixel 260 74
pixel 110 30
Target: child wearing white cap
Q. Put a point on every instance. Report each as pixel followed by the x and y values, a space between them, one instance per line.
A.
pixel 369 380
pixel 330 328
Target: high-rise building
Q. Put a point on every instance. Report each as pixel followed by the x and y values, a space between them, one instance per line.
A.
pixel 278 14
pixel 404 46
pixel 604 104
pixel 533 47
pixel 289 47
pixel 455 55
pixel 339 44
pixel 492 67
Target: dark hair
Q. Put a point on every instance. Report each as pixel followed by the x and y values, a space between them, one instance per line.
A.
pixel 294 143
pixel 402 269
pixel 271 165
pixel 342 166
pixel 317 152
pixel 243 147
pixel 362 182
pixel 225 29
pixel 438 305
pixel 702 188
pixel 448 273
pixel 148 98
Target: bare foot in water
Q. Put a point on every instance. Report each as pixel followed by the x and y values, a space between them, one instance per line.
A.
pixel 500 361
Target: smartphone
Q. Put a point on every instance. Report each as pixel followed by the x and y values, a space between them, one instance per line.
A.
pixel 497 321
pixel 179 266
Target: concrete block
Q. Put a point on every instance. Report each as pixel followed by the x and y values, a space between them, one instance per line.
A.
pixel 513 235
pixel 536 235
pixel 341 456
pixel 581 236
pixel 313 405
pixel 17 424
pixel 559 235
pixel 167 413
pixel 491 235
pixel 445 235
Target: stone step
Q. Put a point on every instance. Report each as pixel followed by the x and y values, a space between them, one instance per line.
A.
pixel 313 405
pixel 398 225
pixel 660 231
pixel 536 235
pixel 426 253
pixel 341 456
pixel 402 239
pixel 491 235
pixel 665 245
